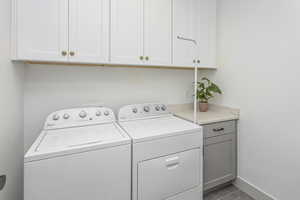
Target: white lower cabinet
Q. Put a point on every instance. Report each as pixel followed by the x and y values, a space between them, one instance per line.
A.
pixel 165 177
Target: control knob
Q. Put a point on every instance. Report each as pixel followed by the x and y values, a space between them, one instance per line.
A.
pixel 82 114
pixel 66 116
pixel 55 117
pixel 157 108
pixel 98 113
pixel 106 113
pixel 164 108
pixel 146 108
pixel 134 110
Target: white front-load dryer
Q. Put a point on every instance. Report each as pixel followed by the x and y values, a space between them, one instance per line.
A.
pixel 167 153
pixel 81 154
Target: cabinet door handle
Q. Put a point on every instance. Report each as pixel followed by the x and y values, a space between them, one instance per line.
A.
pixel 194 61
pixel 141 57
pixel 187 39
pixel 218 129
pixel 147 58
pixel 72 53
pixel 198 61
pixel 63 53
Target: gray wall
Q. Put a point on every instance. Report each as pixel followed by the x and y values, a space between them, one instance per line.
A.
pixel 258 43
pixel 49 88
pixel 11 115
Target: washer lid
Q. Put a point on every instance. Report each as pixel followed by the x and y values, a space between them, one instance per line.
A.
pixel 154 128
pixel 58 142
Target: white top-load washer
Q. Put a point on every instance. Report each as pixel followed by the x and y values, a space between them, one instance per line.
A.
pixel 81 153
pixel 167 153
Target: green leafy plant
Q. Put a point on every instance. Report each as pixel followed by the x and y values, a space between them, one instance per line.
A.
pixel 206 90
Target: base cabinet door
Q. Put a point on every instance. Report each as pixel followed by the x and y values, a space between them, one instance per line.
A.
pixel 89 31
pixel 40 30
pixel 219 160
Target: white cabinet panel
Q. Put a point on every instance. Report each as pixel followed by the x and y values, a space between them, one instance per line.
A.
pixel 184 32
pixel 89 31
pixel 41 30
pixel 158 31
pixel 206 32
pixel 126 31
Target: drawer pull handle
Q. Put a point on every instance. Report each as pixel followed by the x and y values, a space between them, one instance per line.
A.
pixel 218 129
pixel 172 163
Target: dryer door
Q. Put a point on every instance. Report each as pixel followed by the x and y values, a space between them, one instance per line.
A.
pixel 164 177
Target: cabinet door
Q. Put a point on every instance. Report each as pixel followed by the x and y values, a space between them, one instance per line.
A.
pixel 42 30
pixel 206 33
pixel 184 50
pixel 219 160
pixel 126 32
pixel 89 31
pixel 158 31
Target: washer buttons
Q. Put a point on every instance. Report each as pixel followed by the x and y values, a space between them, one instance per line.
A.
pixel 134 110
pixel 146 108
pixel 98 113
pixel 164 108
pixel 66 116
pixel 55 117
pixel 82 114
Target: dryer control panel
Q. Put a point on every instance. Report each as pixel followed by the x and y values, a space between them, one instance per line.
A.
pixel 79 117
pixel 140 111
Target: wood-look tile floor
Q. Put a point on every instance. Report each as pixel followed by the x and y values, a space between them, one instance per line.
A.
pixel 227 193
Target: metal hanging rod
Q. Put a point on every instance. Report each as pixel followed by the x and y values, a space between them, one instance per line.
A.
pixel 187 39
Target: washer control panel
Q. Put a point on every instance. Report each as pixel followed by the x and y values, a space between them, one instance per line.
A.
pixel 79 117
pixel 138 111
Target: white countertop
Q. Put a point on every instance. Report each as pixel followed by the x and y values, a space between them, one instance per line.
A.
pixel 215 113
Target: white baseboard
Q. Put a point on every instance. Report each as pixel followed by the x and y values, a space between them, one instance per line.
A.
pixel 252 190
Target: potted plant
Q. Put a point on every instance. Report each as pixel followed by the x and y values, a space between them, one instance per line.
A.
pixel 205 91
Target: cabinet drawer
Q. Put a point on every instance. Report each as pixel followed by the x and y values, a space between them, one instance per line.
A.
pixel 220 128
pixel 167 176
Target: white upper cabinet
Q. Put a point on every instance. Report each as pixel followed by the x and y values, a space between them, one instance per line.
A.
pixel 141 32
pixel 89 31
pixel 40 30
pixel 180 33
pixel 206 33
pixel 184 33
pixel 126 32
pixel 158 32
pixel 61 30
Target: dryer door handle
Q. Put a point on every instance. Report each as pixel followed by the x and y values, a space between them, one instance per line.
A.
pixel 172 163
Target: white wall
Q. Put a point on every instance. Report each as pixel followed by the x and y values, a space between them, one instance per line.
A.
pixel 11 112
pixel 49 88
pixel 258 43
